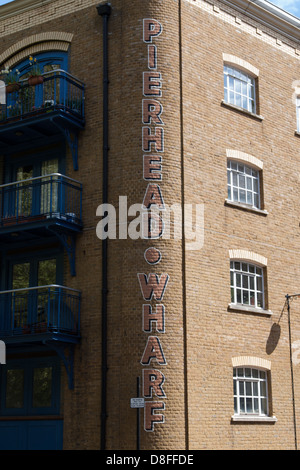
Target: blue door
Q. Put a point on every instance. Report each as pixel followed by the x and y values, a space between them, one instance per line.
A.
pixel 30 405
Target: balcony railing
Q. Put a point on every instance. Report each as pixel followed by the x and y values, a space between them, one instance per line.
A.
pixel 58 91
pixel 41 198
pixel 37 310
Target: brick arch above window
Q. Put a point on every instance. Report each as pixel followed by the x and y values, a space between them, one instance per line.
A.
pixel 34 44
pixel 251 361
pixel 250 256
pixel 245 158
pixel 241 64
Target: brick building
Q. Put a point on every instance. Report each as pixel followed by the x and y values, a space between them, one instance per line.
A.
pixel 189 108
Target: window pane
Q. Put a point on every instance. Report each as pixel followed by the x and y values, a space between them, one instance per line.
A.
pixel 14 388
pixel 249 405
pixel 255 185
pixel 245 297
pixel 232 295
pixel 42 386
pixel 255 389
pixel 47 272
pixel 238 86
pixel 260 300
pixel 249 198
pixel 245 282
pixel 239 296
pixel 20 275
pixel 244 267
pixel 235 405
pixel 255 404
pixel 259 283
pixel 249 181
pixel 242 181
pixel 228 176
pixel 248 389
pixel 242 405
pixel 238 101
pixel 264 409
pixel 262 374
pixel 238 280
pixel 247 372
pixel 242 196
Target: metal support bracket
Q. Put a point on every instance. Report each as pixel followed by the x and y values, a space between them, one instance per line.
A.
pixel 72 139
pixel 68 359
pixel 69 243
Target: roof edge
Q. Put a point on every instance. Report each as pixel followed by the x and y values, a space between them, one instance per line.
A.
pixel 19 6
pixel 270 15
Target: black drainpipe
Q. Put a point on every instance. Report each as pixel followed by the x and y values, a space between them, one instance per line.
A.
pixel 104 10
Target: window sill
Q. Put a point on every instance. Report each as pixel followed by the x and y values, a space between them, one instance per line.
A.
pixel 242 110
pixel 253 419
pixel 240 205
pixel 244 308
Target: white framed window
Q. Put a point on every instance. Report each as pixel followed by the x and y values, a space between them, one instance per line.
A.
pixel 239 88
pixel 243 184
pixel 250 391
pixel 246 284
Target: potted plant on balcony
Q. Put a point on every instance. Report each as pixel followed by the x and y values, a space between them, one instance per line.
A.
pixel 14 110
pixel 36 72
pixel 11 79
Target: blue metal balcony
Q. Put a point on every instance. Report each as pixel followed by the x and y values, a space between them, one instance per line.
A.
pixel 49 110
pixel 40 314
pixel 41 207
pixel 42 317
pixel 44 200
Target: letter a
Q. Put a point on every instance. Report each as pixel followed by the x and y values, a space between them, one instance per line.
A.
pixel 153 350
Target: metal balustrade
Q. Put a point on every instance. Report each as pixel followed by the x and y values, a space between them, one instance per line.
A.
pixel 37 310
pixel 58 91
pixel 41 198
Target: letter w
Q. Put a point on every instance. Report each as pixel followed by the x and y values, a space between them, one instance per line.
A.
pixel 153 286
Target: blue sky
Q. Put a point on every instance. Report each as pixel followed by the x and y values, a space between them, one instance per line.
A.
pixel 3 2
pixel 292 6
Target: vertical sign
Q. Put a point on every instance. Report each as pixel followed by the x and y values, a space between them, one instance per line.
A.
pixel 153 284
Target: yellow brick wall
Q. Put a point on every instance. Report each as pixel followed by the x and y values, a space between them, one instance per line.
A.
pixel 216 334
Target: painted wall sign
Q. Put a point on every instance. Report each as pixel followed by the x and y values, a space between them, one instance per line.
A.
pixel 153 285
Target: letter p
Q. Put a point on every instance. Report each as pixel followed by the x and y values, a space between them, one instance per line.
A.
pixel 151 28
